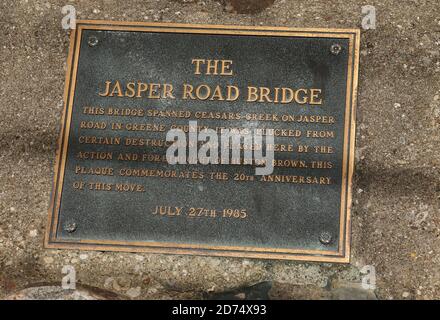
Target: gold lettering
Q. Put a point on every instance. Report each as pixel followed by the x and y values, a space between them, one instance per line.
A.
pixel 154 87
pixel 315 94
pixel 264 94
pixel 168 91
pixel 107 89
pixel 304 98
pixel 188 91
pixel 211 65
pixel 130 92
pixel 226 65
pixel 142 87
pixel 116 89
pixel 252 94
pixel 197 62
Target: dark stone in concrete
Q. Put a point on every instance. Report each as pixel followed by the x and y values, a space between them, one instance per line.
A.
pixel 259 291
pixel 56 292
pixel 247 6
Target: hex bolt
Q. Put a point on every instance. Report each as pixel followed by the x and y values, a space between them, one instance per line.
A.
pixel 92 41
pixel 325 238
pixel 70 227
pixel 335 49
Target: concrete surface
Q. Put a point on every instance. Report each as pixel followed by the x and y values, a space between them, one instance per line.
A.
pixel 396 221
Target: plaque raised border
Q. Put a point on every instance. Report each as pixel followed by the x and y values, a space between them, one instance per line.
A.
pixel 342 255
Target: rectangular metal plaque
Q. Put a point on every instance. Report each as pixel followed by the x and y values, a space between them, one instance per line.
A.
pixel 128 84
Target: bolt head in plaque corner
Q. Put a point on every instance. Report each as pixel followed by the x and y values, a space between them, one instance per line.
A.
pixel 70 226
pixel 335 49
pixel 325 238
pixel 92 41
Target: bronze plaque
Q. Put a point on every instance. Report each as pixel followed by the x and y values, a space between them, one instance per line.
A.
pixel 130 85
